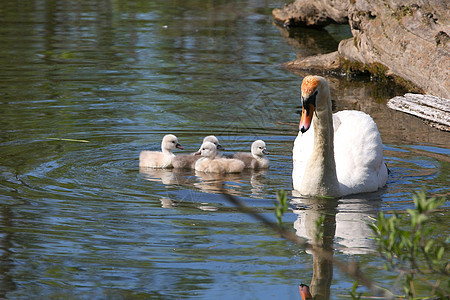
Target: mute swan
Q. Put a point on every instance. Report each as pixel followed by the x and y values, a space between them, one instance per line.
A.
pixel 211 164
pixel 256 159
pixel 161 160
pixel 341 154
pixel 187 161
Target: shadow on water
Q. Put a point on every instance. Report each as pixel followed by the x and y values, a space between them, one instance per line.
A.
pixel 312 41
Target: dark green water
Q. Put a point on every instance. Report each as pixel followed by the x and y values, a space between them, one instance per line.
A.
pixel 79 220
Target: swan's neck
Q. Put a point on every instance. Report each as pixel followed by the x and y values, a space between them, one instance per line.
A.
pixel 320 177
pixel 166 151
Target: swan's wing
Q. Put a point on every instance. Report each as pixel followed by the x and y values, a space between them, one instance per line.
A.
pixel 303 147
pixel 358 152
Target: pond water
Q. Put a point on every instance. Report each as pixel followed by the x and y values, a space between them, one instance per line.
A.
pixel 85 86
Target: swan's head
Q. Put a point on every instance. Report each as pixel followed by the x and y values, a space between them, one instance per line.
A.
pixel 207 149
pixel 214 140
pixel 170 142
pixel 259 148
pixel 312 89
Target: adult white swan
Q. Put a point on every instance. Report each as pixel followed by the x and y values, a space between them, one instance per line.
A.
pixel 341 154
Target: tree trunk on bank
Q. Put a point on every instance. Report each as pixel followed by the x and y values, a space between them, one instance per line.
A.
pixel 407 40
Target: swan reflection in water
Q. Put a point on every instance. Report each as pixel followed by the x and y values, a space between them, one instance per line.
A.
pixel 233 183
pixel 344 229
pixel 166 202
pixel 230 183
pixel 258 179
pixel 209 182
pixel 206 182
pixel 344 226
pixel 166 176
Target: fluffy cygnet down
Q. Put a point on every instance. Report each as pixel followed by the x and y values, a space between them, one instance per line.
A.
pixel 256 159
pixel 211 164
pixel 163 159
pixel 187 161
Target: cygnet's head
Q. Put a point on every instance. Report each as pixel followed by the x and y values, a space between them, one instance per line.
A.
pixel 259 148
pixel 214 140
pixel 170 142
pixel 208 149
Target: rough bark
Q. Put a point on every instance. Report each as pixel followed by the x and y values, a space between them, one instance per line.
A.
pixel 409 39
pixel 312 13
pixel 329 61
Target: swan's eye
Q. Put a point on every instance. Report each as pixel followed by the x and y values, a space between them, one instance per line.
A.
pixel 311 99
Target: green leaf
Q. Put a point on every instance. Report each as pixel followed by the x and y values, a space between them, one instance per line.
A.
pixel 428 246
pixel 421 219
pixel 440 253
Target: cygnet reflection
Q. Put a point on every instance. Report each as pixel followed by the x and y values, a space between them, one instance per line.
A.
pixel 218 183
pixel 257 181
pixel 167 203
pixel 166 176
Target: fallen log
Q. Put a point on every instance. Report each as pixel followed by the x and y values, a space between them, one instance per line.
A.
pixel 433 109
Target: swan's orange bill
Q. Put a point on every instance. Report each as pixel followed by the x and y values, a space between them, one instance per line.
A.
pixel 307 115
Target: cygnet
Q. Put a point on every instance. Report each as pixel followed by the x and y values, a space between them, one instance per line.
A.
pixel 187 161
pixel 214 140
pixel 257 158
pixel 211 164
pixel 163 159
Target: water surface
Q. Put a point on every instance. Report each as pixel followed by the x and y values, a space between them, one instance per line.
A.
pixel 85 86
